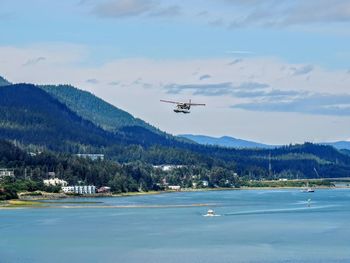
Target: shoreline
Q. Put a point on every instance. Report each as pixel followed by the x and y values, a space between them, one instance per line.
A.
pixel 36 201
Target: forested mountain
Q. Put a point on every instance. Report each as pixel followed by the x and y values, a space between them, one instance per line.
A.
pixel 94 109
pixel 339 145
pixel 345 151
pixel 4 82
pixel 226 141
pixel 32 117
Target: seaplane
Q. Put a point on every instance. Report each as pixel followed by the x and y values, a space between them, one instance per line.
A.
pixel 183 107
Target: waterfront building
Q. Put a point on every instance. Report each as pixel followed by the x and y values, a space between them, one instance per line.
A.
pixel 205 183
pixel 6 173
pixel 174 187
pixel 104 189
pixel 167 167
pixel 79 189
pixel 92 156
pixel 55 181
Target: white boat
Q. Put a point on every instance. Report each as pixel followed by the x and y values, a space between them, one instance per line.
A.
pixel 211 213
pixel 307 189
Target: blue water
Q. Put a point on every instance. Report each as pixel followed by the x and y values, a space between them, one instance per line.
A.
pixel 254 226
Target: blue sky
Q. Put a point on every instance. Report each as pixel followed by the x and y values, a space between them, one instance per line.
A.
pixel 184 34
pixel 272 64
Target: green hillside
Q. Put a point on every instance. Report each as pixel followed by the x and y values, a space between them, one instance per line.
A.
pixel 4 82
pixel 94 109
pixel 30 115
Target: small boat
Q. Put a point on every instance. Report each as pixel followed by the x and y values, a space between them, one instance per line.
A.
pixel 307 189
pixel 211 213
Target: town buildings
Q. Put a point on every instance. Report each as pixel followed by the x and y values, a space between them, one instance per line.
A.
pixel 91 156
pixel 6 172
pixel 55 182
pixel 79 189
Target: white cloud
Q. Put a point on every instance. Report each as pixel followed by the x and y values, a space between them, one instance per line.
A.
pixel 34 61
pixel 230 14
pixel 239 52
pixel 132 8
pixel 169 11
pixel 37 63
pixel 235 61
pixel 137 84
pixel 204 77
pixel 303 70
pixel 286 13
pixel 123 8
pixel 92 81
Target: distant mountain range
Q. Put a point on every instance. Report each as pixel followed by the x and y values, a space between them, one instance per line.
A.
pixel 227 141
pixel 339 145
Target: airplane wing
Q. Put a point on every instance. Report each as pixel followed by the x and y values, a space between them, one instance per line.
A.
pixel 196 104
pixel 169 101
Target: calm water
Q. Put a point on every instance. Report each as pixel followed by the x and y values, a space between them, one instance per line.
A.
pixel 254 226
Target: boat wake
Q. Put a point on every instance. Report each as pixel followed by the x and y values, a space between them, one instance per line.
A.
pixel 280 211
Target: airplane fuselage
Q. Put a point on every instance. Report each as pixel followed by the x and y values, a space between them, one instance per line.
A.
pixel 182 108
pixel 182 111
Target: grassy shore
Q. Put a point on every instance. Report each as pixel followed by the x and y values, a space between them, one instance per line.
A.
pixel 137 193
pixel 12 204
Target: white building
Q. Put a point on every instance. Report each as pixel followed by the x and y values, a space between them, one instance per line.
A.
pixel 205 183
pixel 92 156
pixel 6 172
pixel 55 181
pixel 79 189
pixel 174 187
pixel 168 167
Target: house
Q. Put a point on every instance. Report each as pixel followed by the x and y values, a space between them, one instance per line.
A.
pixel 79 189
pixel 91 156
pixel 6 173
pixel 104 189
pixel 205 183
pixel 55 181
pixel 167 167
pixel 174 187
